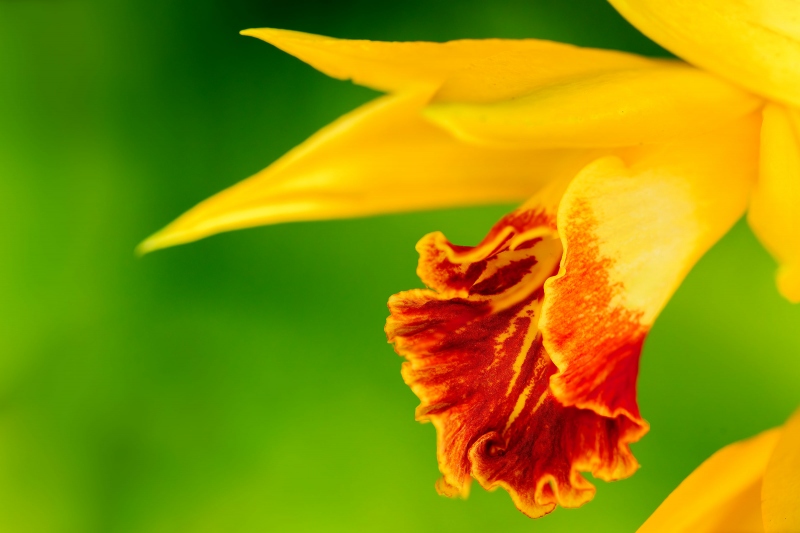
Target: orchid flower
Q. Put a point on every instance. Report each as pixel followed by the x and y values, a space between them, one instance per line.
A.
pixel 751 486
pixel 524 349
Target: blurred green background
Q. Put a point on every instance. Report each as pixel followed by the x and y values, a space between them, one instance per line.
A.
pixel 243 383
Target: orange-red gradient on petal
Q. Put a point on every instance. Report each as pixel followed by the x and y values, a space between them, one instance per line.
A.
pixel 475 359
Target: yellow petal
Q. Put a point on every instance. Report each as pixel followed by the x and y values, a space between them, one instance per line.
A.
pixel 780 491
pixel 722 495
pixel 385 66
pixel 483 70
pixel 774 212
pixel 755 43
pixel 649 103
pixel 632 229
pixel 381 158
pixel 517 72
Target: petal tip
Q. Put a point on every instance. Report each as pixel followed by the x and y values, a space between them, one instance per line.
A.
pixel 143 248
pixel 157 241
pixel 276 35
pixel 263 33
pixel 445 488
pixel 165 238
pixel 788 281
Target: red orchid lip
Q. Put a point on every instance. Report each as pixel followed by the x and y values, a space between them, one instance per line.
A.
pixel 476 360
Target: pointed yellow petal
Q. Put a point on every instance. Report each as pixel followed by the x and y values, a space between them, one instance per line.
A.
pixel 385 66
pixel 650 103
pixel 381 158
pixel 774 212
pixel 632 229
pixel 722 495
pixel 483 70
pixel 754 43
pixel 781 489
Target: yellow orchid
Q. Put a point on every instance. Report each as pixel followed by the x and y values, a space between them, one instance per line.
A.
pixel 751 486
pixel 524 350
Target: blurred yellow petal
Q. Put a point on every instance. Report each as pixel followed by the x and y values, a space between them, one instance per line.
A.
pixel 722 495
pixel 380 158
pixel 632 228
pixel 649 103
pixel 780 492
pixel 754 43
pixel 774 209
pixel 396 66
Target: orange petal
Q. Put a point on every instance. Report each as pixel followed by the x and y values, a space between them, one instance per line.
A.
pixel 381 158
pixel 753 43
pixel 476 361
pixel 780 492
pixel 722 495
pixel 632 229
pixel 774 214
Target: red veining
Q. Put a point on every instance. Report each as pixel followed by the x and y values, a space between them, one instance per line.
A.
pixel 478 365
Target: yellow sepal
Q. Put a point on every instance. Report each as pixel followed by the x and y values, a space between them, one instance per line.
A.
pixel 467 70
pixel 381 158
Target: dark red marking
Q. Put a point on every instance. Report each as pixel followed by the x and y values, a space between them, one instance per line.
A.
pixel 461 351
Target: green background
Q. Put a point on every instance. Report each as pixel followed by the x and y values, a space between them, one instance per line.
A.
pixel 243 383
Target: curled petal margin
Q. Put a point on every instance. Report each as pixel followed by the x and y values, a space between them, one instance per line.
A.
pixel 475 359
